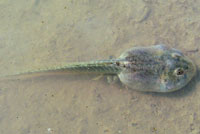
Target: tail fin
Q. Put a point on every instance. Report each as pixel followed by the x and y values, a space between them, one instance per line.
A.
pixel 98 67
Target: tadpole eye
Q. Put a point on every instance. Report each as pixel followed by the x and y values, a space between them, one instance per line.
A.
pixel 179 71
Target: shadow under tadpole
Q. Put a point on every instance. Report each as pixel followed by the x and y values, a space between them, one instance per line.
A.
pixel 185 91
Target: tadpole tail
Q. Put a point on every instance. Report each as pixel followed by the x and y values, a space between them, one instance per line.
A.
pixel 97 67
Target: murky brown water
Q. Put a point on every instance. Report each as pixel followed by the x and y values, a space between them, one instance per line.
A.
pixel 38 34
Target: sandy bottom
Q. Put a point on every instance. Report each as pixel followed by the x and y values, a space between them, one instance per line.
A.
pixel 37 34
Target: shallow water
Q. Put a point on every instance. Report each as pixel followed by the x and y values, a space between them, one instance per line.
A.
pixel 38 34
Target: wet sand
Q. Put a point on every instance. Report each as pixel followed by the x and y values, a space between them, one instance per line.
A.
pixel 38 34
